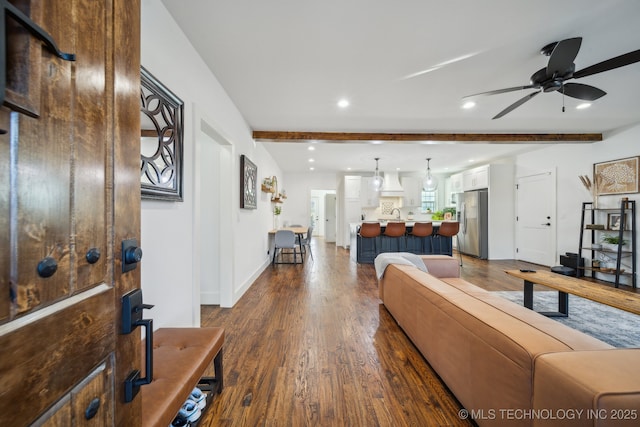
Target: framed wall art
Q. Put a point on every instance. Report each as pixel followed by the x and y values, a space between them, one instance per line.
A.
pixel 614 221
pixel 248 183
pixel 161 142
pixel 617 176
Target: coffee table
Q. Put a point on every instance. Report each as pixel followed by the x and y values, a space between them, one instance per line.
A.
pixel 565 285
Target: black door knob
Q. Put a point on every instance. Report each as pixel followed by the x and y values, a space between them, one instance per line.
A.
pixel 133 255
pixel 47 267
pixel 92 409
pixel 93 255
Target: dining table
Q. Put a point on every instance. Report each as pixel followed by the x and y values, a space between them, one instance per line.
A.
pixel 298 231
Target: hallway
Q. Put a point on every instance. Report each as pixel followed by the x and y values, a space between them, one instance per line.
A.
pixel 312 345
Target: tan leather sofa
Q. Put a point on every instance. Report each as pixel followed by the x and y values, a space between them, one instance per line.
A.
pixel 502 361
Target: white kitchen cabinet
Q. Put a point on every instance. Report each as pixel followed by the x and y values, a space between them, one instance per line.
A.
pixel 412 190
pixel 351 208
pixel 352 187
pixel 476 178
pixel 369 198
pixel 456 183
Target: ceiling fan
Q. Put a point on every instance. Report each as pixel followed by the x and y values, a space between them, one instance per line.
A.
pixel 561 68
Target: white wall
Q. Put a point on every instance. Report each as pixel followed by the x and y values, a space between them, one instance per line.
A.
pixel 169 274
pixel 296 208
pixel 571 160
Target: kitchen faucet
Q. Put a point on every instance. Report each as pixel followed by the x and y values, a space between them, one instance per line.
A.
pixel 396 209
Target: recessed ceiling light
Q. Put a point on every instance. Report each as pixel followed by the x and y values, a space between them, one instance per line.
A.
pixel 377 142
pixel 471 160
pixel 310 148
pixel 312 168
pixel 469 104
pixel 348 169
pixel 583 106
pixel 311 160
pixel 343 103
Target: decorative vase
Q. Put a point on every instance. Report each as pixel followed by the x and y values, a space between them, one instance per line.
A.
pixel 276 222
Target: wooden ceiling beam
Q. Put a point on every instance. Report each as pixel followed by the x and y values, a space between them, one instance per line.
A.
pixel 507 138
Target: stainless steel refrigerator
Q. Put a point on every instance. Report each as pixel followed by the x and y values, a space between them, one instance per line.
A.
pixel 472 212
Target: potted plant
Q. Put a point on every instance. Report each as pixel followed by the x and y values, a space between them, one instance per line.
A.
pixel 277 210
pixel 410 215
pixel 614 241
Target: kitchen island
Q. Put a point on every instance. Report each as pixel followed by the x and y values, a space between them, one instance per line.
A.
pixel 364 251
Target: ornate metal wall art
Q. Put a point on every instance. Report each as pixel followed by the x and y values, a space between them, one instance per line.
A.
pixel 248 183
pixel 162 138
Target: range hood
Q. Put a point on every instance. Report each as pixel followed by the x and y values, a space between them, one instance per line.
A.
pixel 391 186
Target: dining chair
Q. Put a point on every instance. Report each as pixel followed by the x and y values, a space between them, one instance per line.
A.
pixel 420 232
pixel 371 230
pixel 395 233
pixel 449 229
pixel 285 239
pixel 305 242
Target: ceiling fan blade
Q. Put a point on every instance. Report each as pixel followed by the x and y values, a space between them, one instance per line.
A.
pixel 515 105
pixel 562 57
pixel 584 92
pixel 609 64
pixel 509 89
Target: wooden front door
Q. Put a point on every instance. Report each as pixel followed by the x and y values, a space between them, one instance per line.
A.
pixel 69 195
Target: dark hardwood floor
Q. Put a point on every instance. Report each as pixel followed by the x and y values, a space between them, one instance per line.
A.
pixel 313 345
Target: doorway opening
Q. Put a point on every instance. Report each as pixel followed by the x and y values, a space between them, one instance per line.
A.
pixel 322 215
pixel 212 234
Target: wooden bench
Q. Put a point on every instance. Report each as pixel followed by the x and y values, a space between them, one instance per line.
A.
pixel 181 356
pixel 565 285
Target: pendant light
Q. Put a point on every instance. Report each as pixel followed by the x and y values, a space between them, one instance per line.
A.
pixel 429 183
pixel 377 181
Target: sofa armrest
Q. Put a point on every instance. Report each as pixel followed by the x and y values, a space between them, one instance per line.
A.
pixel 597 388
pixel 441 265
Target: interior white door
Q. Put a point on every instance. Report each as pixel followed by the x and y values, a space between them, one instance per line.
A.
pixel 536 218
pixel 314 216
pixel 330 218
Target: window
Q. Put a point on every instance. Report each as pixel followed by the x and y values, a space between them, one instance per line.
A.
pixel 428 201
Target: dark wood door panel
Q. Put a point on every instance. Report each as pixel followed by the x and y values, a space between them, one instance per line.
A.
pixel 69 185
pixel 5 255
pixel 41 363
pixel 90 141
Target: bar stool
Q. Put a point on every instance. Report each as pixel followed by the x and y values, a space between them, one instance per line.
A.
pixel 371 230
pixel 420 231
pixel 449 229
pixel 395 231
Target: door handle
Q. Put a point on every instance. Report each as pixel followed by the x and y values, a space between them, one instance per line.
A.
pixel 7 8
pixel 546 223
pixel 132 307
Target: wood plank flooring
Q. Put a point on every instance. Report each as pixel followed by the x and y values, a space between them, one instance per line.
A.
pixel 312 345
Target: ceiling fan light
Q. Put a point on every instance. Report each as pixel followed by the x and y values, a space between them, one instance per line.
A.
pixel 583 106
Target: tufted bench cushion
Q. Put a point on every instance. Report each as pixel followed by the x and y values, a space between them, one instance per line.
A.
pixel 180 358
